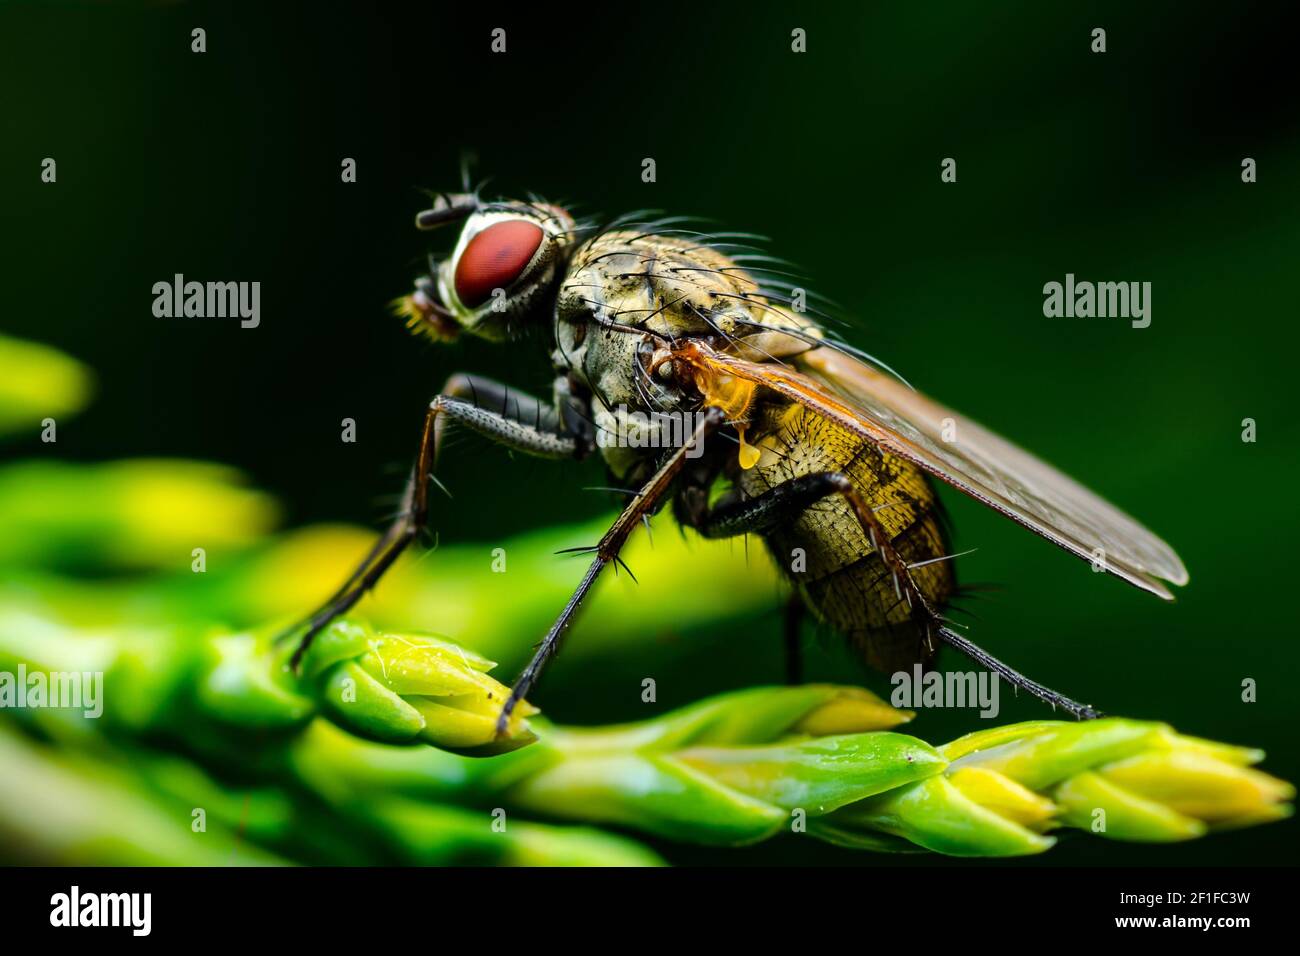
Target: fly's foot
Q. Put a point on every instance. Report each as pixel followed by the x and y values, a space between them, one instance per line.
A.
pixel 314 627
pixel 503 719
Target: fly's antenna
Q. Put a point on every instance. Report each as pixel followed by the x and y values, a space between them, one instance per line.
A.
pixel 447 208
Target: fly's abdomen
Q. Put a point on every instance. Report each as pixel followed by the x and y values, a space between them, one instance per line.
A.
pixel 824 550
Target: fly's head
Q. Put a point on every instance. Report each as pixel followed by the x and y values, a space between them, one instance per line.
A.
pixel 501 275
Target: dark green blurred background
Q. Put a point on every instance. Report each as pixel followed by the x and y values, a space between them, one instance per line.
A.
pixel 1122 166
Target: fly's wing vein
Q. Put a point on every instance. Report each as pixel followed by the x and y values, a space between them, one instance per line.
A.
pixel 977 462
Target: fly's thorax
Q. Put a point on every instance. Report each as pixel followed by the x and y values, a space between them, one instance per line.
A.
pixel 627 312
pixel 671 286
pixel 626 298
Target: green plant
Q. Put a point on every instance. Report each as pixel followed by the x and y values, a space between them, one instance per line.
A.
pixel 747 766
pixel 733 769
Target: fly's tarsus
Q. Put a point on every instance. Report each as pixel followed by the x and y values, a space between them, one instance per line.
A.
pixel 1015 678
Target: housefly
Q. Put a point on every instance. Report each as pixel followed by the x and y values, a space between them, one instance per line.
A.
pixel 820 451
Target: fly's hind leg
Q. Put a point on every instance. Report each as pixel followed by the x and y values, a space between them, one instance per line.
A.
pixel 504 415
pixel 787 501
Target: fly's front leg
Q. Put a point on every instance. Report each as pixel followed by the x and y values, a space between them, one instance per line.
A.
pixel 508 417
pixel 645 503
pixel 790 499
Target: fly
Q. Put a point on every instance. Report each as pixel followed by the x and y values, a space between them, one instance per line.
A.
pixel 829 458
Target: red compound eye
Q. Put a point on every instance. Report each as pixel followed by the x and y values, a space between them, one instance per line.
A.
pixel 495 258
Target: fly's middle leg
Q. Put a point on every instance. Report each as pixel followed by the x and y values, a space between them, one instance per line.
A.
pixel 786 501
pixel 504 415
pixel 652 494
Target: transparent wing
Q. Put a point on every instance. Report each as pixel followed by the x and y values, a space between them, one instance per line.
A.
pixel 967 456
